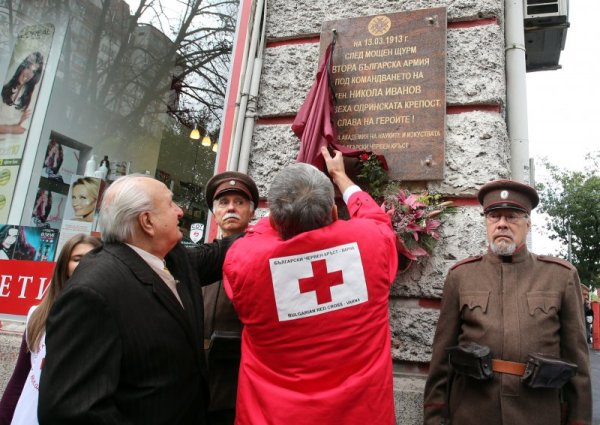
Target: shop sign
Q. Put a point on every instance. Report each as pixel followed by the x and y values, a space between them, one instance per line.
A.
pixel 23 285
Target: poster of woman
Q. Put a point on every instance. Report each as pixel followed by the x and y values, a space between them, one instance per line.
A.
pixel 27 243
pixel 42 208
pixel 17 102
pixel 17 94
pixel 8 241
pixel 49 209
pixel 14 244
pixel 53 159
pixel 60 161
pixel 84 196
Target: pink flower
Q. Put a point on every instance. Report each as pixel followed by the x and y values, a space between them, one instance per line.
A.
pixel 413 202
pixel 431 225
pixel 402 249
pixel 412 219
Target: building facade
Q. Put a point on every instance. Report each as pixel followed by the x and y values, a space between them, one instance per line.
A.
pixel 133 89
pixel 477 148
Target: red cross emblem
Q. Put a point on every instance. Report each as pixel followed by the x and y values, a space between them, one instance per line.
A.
pixel 321 281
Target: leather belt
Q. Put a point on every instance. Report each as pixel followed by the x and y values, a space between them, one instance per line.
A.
pixel 512 368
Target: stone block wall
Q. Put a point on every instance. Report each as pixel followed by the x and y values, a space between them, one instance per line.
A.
pixel 476 148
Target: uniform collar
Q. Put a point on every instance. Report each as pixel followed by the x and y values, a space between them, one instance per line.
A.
pixel 519 256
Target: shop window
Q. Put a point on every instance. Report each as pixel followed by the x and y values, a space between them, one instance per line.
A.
pixel 107 90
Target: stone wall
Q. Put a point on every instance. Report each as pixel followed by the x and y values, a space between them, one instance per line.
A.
pixel 477 148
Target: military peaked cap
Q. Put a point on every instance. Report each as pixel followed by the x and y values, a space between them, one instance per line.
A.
pixel 231 181
pixel 500 194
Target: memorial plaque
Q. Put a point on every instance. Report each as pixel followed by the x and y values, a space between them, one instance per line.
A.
pixel 389 76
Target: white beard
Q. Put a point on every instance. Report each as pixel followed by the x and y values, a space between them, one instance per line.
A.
pixel 503 248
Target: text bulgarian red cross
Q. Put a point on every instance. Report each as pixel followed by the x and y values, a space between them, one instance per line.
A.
pixel 321 281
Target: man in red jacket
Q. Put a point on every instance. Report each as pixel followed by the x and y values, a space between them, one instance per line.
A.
pixel 312 292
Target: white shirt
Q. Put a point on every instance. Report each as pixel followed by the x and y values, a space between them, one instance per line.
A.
pixel 26 409
pixel 160 268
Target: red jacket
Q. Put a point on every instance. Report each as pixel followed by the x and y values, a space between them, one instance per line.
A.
pixel 316 338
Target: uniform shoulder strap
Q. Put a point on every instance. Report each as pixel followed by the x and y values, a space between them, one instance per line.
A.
pixel 467 261
pixel 555 260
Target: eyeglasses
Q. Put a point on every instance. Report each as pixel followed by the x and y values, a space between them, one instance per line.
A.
pixel 224 202
pixel 512 218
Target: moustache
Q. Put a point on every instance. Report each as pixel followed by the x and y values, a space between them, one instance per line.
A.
pixel 231 215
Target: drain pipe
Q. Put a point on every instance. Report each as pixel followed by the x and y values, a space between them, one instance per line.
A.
pixel 231 112
pixel 516 90
pixel 234 158
pixel 251 114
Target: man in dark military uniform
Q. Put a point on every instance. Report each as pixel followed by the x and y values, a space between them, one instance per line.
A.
pixel 232 197
pixel 513 303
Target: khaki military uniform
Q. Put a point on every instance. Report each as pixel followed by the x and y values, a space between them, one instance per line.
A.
pixel 515 305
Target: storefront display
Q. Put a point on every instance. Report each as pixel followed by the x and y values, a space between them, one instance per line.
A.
pixel 88 82
pixel 19 95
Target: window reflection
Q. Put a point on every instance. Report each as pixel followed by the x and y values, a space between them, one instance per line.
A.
pixel 129 82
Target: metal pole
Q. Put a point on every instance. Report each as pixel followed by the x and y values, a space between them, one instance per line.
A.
pixel 596 325
pixel 234 158
pixel 569 242
pixel 252 100
pixel 516 90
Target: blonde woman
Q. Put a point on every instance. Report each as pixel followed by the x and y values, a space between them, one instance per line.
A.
pixel 84 196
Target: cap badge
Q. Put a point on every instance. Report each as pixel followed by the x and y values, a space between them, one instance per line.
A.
pixel 504 194
pixel 231 182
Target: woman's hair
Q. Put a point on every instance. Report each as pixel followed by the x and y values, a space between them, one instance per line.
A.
pixel 21 249
pixel 92 184
pixel 301 198
pixel 37 322
pixel 4 235
pixel 22 103
pixel 4 232
pixel 42 209
pixel 24 250
pixel 54 160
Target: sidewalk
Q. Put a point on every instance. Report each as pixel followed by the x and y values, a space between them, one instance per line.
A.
pixel 595 366
pixel 10 339
pixel 11 334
